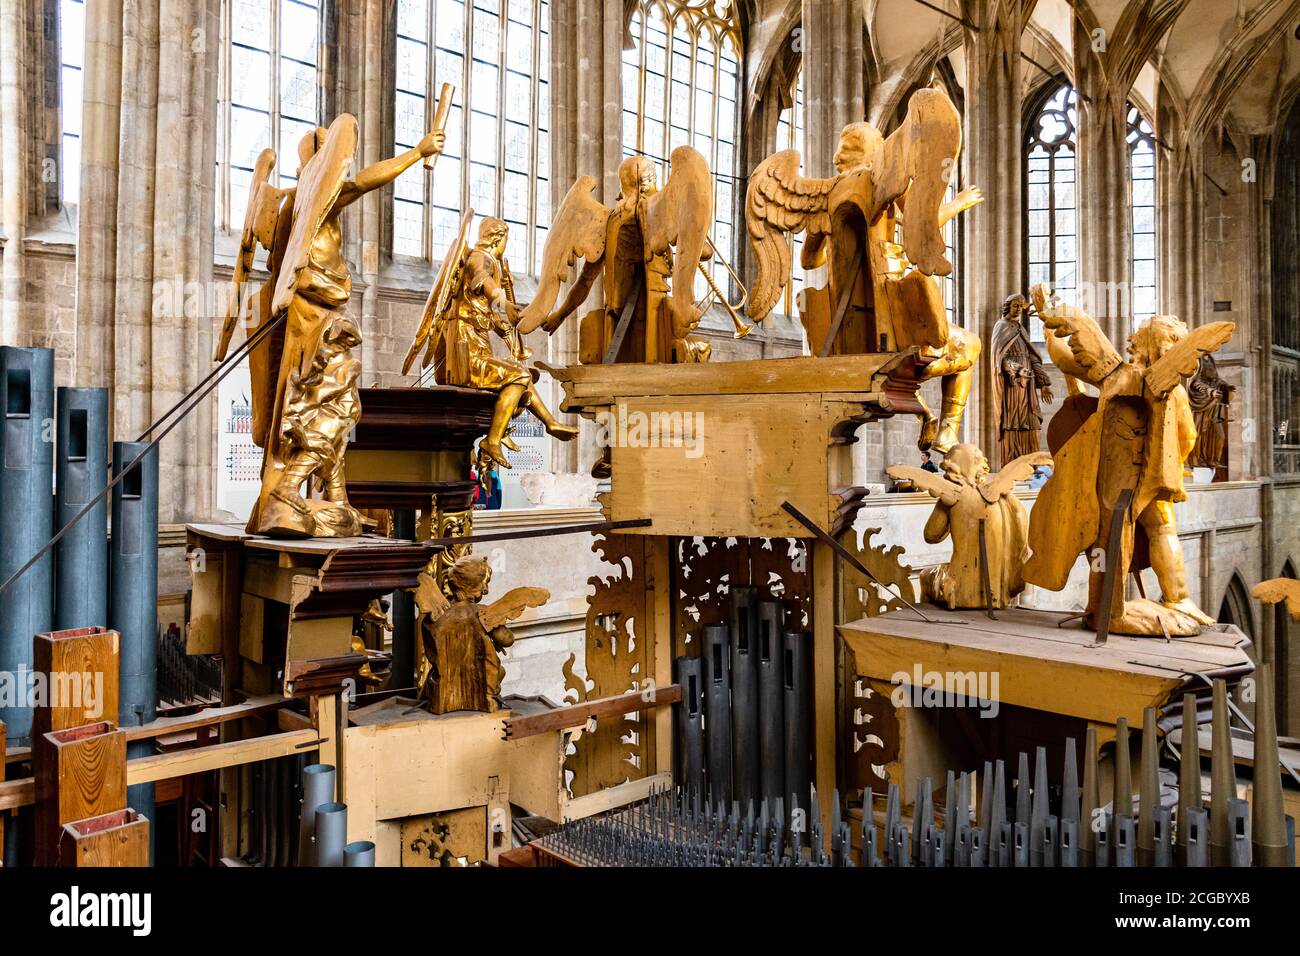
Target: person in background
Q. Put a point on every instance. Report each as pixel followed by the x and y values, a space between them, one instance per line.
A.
pixel 927 464
pixel 487 497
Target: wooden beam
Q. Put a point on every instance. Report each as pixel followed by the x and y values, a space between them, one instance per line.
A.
pixel 230 754
pixel 207 718
pixel 616 796
pixel 565 718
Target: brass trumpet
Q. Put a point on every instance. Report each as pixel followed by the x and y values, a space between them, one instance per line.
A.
pixel 733 308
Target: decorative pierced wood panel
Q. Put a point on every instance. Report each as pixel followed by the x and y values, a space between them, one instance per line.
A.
pixel 618 659
pixel 706 569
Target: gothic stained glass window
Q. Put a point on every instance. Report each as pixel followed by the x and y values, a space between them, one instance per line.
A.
pixel 681 85
pixel 497 54
pixel 269 93
pixel 72 54
pixel 1142 194
pixel 1051 213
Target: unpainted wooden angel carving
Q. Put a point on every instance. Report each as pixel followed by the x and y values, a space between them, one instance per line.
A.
pixel 881 296
pixel 1135 436
pixel 1275 590
pixel 463 638
pixel 649 245
pixel 969 495
pixel 304 376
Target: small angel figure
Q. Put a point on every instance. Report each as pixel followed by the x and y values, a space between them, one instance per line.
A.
pixel 1132 438
pixel 463 638
pixel 1280 589
pixel 969 495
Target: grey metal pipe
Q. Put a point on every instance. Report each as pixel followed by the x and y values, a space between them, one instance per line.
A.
pixel 743 634
pixel 331 833
pixel 359 853
pixel 798 715
pixel 717 713
pixel 771 699
pixel 81 467
pixel 690 724
pixel 27 509
pixel 317 790
pixel 133 597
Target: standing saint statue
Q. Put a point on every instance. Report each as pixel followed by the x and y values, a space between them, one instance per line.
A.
pixel 1020 383
pixel 305 378
pixel 1209 396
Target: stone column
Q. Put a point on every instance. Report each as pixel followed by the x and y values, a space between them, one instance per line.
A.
pixel 14 132
pixel 993 263
pixel 1105 233
pixel 370 219
pixel 833 77
pixel 97 208
pixel 1179 178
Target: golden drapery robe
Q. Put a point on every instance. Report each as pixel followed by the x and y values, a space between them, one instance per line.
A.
pixel 463 354
pixel 1148 458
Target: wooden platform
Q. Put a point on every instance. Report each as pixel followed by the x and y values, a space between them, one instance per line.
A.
pixel 714 449
pixel 1045 667
pixel 1045 683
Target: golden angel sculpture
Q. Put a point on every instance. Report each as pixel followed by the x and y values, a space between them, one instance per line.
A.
pixel 881 296
pixel 463 638
pixel 648 246
pixel 968 496
pixel 472 298
pixel 304 374
pixel 1134 436
pixel 1277 590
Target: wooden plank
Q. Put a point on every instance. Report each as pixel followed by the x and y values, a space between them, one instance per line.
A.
pixel 218 756
pixel 565 718
pixel 80 772
pixel 81 670
pixel 211 717
pixel 116 839
pixel 796 375
pixel 617 796
pixel 660 621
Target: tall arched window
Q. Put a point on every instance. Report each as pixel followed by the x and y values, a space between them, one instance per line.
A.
pixel 681 85
pixel 789 135
pixel 1142 196
pixel 72 56
pixel 497 54
pixel 1051 212
pixel 268 94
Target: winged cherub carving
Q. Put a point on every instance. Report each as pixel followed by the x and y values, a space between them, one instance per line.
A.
pixel 968 495
pixel 304 377
pixel 649 245
pixel 463 637
pixel 1280 589
pixel 881 295
pixel 1134 435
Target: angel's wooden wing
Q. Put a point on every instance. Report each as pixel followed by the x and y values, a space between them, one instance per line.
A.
pixel 995 486
pixel 679 216
pixel 1280 589
pixel 260 218
pixel 509 607
pixel 429 599
pixel 780 201
pixel 932 482
pixel 318 187
pixel 440 296
pixel 578 231
pixel 1094 356
pixel 1181 360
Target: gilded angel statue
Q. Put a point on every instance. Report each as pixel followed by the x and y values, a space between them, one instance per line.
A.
pixel 882 295
pixel 1280 589
pixel 969 495
pixel 472 299
pixel 463 637
pixel 649 245
pixel 305 378
pixel 1135 436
